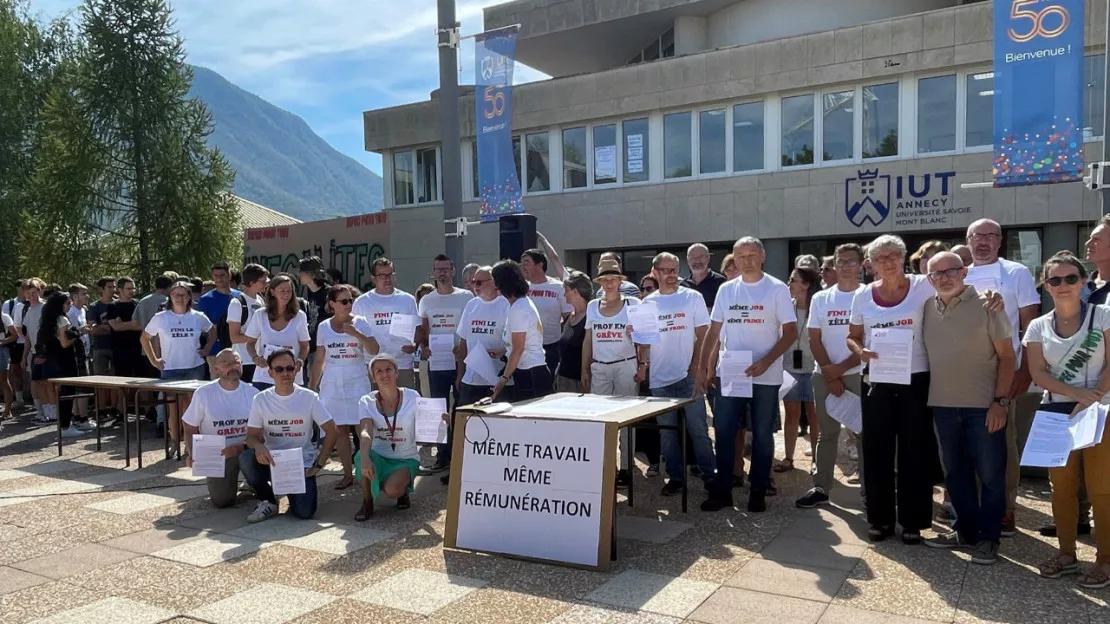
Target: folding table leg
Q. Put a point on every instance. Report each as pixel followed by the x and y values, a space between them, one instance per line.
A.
pixel 96 415
pixel 685 481
pixel 139 429
pixel 57 410
pixel 126 429
pixel 630 461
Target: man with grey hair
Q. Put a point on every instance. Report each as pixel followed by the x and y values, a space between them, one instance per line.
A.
pixel 702 278
pixel 1022 302
pixel 468 277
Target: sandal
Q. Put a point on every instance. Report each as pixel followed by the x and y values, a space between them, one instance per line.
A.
pixel 346 482
pixel 1059 565
pixel 785 465
pixel 1095 577
pixel 404 502
pixel 365 512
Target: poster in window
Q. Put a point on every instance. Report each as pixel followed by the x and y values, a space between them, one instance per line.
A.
pixel 605 161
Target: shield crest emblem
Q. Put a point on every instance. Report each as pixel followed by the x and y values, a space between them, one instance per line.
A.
pixel 867 198
pixel 487 67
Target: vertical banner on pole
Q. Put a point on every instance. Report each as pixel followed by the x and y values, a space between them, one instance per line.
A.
pixel 498 184
pixel 1038 91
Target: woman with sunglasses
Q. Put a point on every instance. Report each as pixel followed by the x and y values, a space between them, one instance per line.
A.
pixel 1067 357
pixel 283 326
pixel 343 347
pixel 523 335
pixel 388 460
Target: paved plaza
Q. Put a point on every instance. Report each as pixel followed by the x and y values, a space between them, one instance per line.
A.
pixel 84 541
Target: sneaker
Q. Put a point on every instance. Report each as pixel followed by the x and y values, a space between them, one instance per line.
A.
pixel 264 511
pixel 1083 528
pixel 672 488
pixel 809 453
pixel 18 406
pixel 716 503
pixel 623 480
pixel 757 502
pixel 947 540
pixel 946 516
pixel 42 419
pixel 911 538
pixel 1009 525
pixel 652 471
pixel 72 432
pixel 985 553
pixel 87 425
pixel 854 480
pixel 814 497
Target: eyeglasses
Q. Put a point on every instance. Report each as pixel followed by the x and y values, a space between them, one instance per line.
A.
pixel 987 236
pixel 342 301
pixel 648 289
pixel 381 275
pixel 847 263
pixel 667 271
pixel 479 282
pixel 283 369
pixel 888 258
pixel 1071 280
pixel 935 275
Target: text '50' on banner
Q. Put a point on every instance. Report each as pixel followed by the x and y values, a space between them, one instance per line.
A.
pixel 498 186
pixel 1038 91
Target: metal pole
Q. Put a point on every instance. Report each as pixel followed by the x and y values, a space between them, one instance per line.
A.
pixel 1104 192
pixel 450 157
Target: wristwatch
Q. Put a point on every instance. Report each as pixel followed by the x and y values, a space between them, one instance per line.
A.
pixel 1003 401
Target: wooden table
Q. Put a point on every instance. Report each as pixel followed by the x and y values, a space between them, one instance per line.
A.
pixel 175 388
pixel 528 443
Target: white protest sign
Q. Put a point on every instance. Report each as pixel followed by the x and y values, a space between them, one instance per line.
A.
pixel 532 488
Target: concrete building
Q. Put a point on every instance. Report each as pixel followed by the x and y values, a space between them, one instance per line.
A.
pixel 673 121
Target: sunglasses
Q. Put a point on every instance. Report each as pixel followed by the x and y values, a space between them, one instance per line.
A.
pixel 342 301
pixel 1071 280
pixel 648 289
pixel 284 369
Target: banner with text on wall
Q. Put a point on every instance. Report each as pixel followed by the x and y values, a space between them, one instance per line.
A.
pixel 1038 91
pixel 498 186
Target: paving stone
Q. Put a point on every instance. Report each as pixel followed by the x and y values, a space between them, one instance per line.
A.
pixel 112 610
pixel 134 503
pixel 794 580
pixel 788 549
pixel 74 561
pixel 418 591
pixel 153 540
pixel 49 468
pixel 12 580
pixel 338 540
pixel 209 550
pixel 649 529
pixel 729 605
pixel 7 475
pixel 278 529
pixel 219 520
pixel 840 614
pixel 586 614
pixel 636 590
pixel 829 527
pixel 265 604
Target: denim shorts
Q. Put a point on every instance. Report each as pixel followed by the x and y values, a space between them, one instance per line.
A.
pixel 803 388
pixel 5 358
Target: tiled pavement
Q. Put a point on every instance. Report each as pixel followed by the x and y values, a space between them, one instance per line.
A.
pixel 83 541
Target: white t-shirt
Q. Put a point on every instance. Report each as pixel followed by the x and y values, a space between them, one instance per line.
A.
pixel 524 317
pixel 680 313
pixel 1018 291
pixel 235 314
pixel 379 311
pixel 609 340
pixel 286 421
pixel 345 361
pixel 905 315
pixel 13 308
pixel 443 313
pixel 179 336
pixel 216 411
pixel 30 317
pixel 78 319
pixel 551 303
pixel 393 438
pixel 1077 361
pixel 752 316
pixel 482 326
pixel 831 312
pixel 8 323
pixel 270 340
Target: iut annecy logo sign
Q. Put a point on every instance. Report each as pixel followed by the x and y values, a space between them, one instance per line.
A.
pixel 868 196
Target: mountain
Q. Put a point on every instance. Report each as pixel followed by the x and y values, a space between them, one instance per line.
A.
pixel 279 161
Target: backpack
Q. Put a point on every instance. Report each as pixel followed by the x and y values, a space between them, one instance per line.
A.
pixel 223 330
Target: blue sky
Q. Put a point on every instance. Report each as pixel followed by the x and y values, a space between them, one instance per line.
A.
pixel 325 60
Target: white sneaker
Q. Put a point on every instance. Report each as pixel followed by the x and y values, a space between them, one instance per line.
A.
pixel 87 425
pixel 264 511
pixel 72 432
pixel 41 419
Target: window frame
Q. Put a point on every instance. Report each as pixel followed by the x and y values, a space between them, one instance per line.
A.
pixel 730 155
pixel 415 175
pixel 815 105
pixel 959 128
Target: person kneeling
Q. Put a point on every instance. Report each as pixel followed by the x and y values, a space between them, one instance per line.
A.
pixel 281 419
pixel 389 459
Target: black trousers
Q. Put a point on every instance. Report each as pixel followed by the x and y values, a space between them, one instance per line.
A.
pixel 899 426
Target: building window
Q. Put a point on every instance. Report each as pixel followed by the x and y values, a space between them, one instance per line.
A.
pixel 936 114
pixel 666 43
pixel 574 158
pixel 402 178
pixel 838 125
pixel 711 141
pixel 880 120
pixel 474 169
pixel 426 179
pixel 979 100
pixel 747 137
pixel 539 163
pixel 605 154
pixel 1094 69
pixel 797 130
pixel 677 159
pixel 635 132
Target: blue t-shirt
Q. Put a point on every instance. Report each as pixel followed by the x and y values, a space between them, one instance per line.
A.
pixel 214 305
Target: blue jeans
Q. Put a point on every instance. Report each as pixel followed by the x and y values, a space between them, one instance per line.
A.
pixel 442 384
pixel 258 476
pixel 728 418
pixel 173 375
pixel 697 428
pixel 970 451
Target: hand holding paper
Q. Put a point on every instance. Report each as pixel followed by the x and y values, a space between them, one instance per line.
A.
pixel 403 326
pixel 482 364
pixel 431 428
pixel 287 473
pixel 644 319
pixel 895 354
pixel 208 459
pixel 735 382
